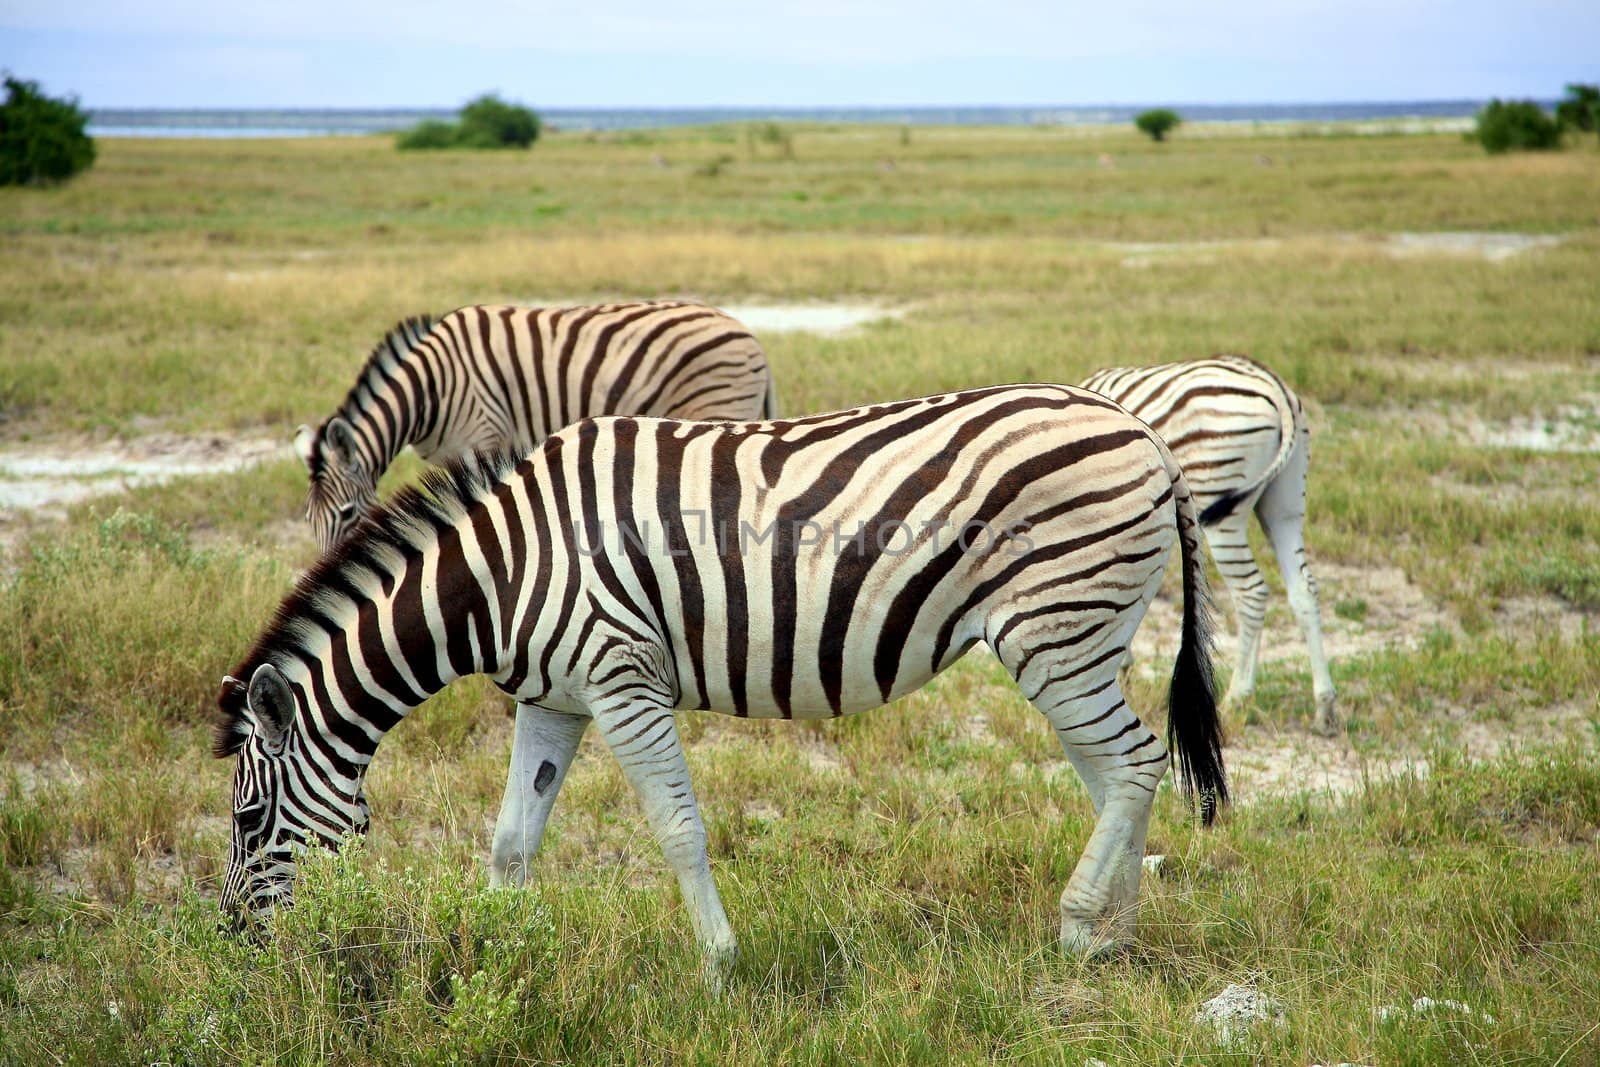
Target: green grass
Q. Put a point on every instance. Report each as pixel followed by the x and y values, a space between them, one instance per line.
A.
pixel 894 877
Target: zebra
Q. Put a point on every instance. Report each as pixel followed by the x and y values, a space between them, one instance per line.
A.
pixel 629 568
pixel 505 378
pixel 1242 437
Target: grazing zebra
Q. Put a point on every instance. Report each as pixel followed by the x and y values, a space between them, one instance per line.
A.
pixel 797 569
pixel 1242 438
pixel 505 378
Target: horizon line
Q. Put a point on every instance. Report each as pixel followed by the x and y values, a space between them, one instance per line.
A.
pixel 991 105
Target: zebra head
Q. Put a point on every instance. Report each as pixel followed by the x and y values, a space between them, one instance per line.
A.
pixel 282 800
pixel 344 488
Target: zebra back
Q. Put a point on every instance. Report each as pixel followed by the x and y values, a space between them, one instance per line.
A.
pixel 502 379
pixel 1214 414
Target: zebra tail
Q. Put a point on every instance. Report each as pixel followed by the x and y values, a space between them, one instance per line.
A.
pixel 1288 435
pixel 1194 729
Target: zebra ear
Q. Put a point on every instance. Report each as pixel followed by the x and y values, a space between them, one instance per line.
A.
pixel 305 443
pixel 270 704
pixel 339 436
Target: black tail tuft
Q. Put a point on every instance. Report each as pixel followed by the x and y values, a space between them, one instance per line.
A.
pixel 1194 730
pixel 1221 508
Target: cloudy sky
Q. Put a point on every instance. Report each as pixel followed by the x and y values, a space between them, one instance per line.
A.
pixel 633 53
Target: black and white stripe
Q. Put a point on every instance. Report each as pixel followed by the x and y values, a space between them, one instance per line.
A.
pixel 505 378
pixel 1241 435
pixel 815 567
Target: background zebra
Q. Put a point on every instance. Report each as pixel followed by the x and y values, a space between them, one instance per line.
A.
pixel 1242 437
pixel 505 378
pixel 797 569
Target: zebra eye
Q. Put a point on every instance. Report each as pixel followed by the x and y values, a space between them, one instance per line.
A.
pixel 347 511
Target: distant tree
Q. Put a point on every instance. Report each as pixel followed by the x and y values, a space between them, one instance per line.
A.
pixel 1516 126
pixel 490 122
pixel 41 140
pixel 1581 109
pixel 1157 122
pixel 486 122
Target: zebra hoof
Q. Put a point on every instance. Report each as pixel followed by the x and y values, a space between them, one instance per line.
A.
pixel 718 964
pixel 1326 723
pixel 1093 940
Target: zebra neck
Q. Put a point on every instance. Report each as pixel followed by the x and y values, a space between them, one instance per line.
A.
pixel 388 413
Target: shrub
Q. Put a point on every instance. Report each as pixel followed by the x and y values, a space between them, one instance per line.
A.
pixel 487 122
pixel 1157 122
pixel 1581 109
pixel 41 140
pixel 1516 125
pixel 431 133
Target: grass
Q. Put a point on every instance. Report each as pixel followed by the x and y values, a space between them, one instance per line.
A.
pixel 893 877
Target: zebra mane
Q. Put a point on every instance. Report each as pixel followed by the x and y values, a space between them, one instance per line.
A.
pixel 403 528
pixel 401 338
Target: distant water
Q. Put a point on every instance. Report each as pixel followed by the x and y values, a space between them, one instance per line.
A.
pixel 112 122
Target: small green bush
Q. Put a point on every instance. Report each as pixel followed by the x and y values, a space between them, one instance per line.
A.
pixel 431 133
pixel 41 140
pixel 1158 122
pixel 1581 109
pixel 487 122
pixel 1516 126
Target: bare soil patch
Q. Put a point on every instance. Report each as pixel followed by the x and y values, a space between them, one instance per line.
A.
pixel 1570 428
pixel 45 479
pixel 39 482
pixel 829 320
pixel 1267 763
pixel 1394 613
pixel 1493 247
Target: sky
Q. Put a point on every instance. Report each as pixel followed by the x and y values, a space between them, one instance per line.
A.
pixel 813 53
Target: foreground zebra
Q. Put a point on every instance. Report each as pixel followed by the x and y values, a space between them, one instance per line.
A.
pixel 797 569
pixel 1242 438
pixel 505 378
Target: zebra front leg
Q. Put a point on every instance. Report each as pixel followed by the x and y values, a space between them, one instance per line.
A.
pixel 1229 542
pixel 542 749
pixel 1282 511
pixel 644 737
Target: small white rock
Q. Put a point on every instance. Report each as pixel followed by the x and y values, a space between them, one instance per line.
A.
pixel 1154 865
pixel 1238 1008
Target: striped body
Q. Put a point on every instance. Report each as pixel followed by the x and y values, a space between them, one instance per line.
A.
pixel 1241 435
pixel 631 567
pixel 503 379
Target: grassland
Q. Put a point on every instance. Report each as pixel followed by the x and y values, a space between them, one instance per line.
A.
pixel 893 877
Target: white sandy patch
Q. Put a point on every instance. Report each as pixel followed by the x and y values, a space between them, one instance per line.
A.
pixel 44 479
pixel 1494 247
pixel 825 319
pixel 1572 428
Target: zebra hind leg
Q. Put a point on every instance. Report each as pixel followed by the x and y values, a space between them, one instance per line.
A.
pixel 1282 511
pixel 542 749
pixel 1121 762
pixel 1229 542
pixel 644 738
